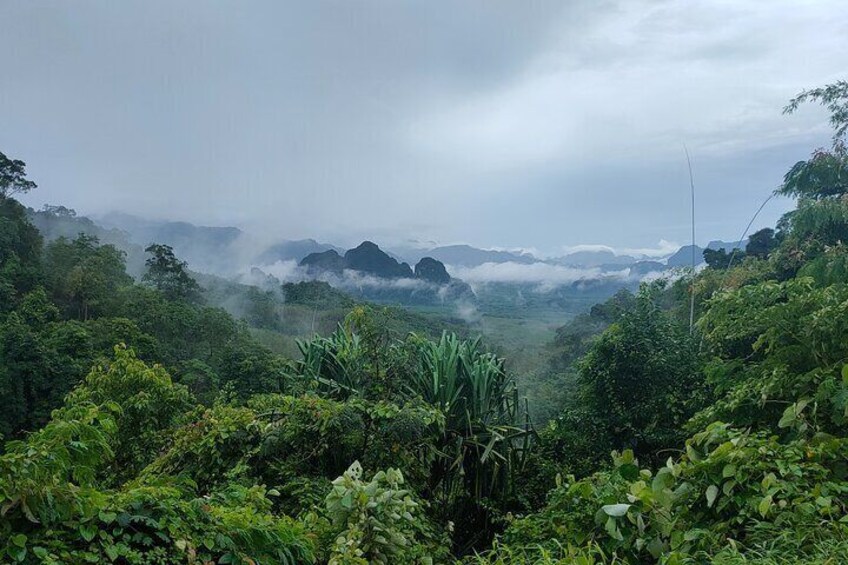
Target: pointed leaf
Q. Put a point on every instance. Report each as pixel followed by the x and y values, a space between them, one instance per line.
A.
pixel 616 510
pixel 764 505
pixel 712 493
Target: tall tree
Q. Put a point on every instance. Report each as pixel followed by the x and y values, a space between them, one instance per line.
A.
pixel 20 242
pixel 761 243
pixel 834 97
pixel 717 258
pixel 85 276
pixel 13 177
pixel 169 275
pixel 825 174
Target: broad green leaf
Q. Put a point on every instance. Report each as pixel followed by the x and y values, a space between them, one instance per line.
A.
pixel 692 453
pixel 788 418
pixel 712 493
pixel 664 479
pixel 612 529
pixel 18 553
pixel 656 547
pixel 19 540
pixel 764 505
pixel 616 510
pixel 88 531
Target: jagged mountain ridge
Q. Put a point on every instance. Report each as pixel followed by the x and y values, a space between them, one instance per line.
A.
pixel 222 250
pixel 369 259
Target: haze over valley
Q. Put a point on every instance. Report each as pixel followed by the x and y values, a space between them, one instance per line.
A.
pixel 474 283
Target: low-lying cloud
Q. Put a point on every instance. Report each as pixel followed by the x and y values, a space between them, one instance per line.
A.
pixel 664 248
pixel 355 281
pixel 533 273
pixel 285 271
pixel 545 276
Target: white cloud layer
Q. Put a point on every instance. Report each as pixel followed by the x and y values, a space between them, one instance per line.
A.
pixel 545 276
pixel 663 248
pixel 356 281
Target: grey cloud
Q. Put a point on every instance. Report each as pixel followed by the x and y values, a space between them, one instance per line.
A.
pixel 511 124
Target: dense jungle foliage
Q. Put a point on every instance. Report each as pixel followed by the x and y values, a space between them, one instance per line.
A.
pixel 142 425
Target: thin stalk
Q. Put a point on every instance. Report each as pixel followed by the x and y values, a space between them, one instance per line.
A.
pixel 744 233
pixel 692 284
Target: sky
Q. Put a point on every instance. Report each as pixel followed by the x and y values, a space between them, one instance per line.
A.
pixel 537 125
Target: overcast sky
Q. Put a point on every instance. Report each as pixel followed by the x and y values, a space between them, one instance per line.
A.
pixel 541 125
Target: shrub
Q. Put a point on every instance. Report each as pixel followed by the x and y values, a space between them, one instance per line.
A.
pixel 378 521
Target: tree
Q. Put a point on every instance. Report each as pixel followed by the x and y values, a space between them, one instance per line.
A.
pixel 20 253
pixel 149 404
pixel 85 276
pixel 42 357
pixel 718 258
pixel 59 211
pixel 169 275
pixel 774 344
pixel 834 97
pixel 13 177
pixel 261 309
pixel 825 174
pixel 641 381
pixel 56 510
pixel 761 243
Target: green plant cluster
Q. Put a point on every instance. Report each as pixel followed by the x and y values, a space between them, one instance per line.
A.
pixel 64 498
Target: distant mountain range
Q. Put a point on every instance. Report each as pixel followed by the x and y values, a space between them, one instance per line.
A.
pixel 175 234
pixel 502 283
pixel 227 250
pixel 208 249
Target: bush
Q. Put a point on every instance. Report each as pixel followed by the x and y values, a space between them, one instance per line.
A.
pixel 732 487
pixel 377 521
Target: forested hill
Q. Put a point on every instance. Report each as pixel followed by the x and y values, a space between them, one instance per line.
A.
pixel 143 426
pixel 67 302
